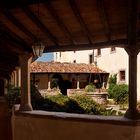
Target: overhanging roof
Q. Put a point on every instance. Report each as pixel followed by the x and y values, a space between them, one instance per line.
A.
pixel 67 24
pixel 57 67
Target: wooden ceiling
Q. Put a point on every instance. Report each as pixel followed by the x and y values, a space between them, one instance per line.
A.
pixel 66 25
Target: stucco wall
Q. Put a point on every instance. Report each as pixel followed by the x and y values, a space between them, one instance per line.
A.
pixel 52 126
pixel 112 62
pixel 70 56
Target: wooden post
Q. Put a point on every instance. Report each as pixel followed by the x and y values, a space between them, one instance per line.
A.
pixel 132 112
pixel 25 61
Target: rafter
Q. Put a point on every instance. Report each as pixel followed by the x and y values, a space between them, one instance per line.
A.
pixel 40 25
pixel 19 24
pixel 54 14
pixel 80 19
pixel 6 33
pixel 133 22
pixel 122 43
pixel 103 16
pixel 4 74
pixel 13 44
pixel 18 3
pixel 10 45
pixel 4 69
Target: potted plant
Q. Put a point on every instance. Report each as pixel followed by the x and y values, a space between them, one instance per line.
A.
pixel 13 94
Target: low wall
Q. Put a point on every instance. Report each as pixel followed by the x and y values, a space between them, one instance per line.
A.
pixel 40 125
pixel 49 92
pixel 99 97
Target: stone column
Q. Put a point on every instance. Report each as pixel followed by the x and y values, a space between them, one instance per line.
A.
pixel 12 78
pixel 132 111
pixel 78 82
pixel 19 72
pixel 17 77
pixel 49 82
pixel 25 61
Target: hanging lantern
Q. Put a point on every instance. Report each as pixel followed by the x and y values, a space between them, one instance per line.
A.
pixel 38 48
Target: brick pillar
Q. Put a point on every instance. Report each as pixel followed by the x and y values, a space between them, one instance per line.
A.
pixel 25 61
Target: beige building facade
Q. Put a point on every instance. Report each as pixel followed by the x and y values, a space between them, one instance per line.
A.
pixel 113 60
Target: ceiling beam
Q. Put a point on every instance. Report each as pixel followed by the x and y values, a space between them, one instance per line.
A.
pixel 80 20
pixel 8 44
pixel 103 16
pixel 5 70
pixel 7 66
pixel 6 33
pixel 9 41
pixel 9 60
pixel 59 21
pixel 18 24
pixel 5 74
pixel 133 22
pixel 39 24
pixel 19 3
pixel 122 43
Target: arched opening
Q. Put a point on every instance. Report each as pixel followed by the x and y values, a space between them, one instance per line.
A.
pixel 58 81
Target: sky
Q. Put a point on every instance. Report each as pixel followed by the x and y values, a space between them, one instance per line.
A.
pixel 46 57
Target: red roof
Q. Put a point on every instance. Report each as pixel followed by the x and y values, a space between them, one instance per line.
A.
pixel 57 67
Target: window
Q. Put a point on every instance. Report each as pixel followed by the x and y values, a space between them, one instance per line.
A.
pixel 98 52
pixel 113 49
pixel 122 75
pixel 91 59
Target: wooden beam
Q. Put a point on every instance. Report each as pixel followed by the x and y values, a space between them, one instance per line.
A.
pixel 40 25
pixel 18 3
pixel 5 70
pixel 12 43
pixel 11 62
pixel 18 24
pixel 133 22
pixel 4 74
pixel 121 43
pixel 6 33
pixel 103 16
pixel 56 17
pixel 80 20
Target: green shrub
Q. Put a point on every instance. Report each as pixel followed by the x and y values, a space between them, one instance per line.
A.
pixel 110 91
pixel 90 88
pixel 89 105
pixel 112 83
pixel 62 103
pixel 13 94
pixel 112 79
pixel 120 93
pixel 75 104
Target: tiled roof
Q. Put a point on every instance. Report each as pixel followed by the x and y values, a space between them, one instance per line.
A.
pixel 57 67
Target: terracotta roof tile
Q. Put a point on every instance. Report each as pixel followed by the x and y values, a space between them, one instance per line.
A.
pixel 57 67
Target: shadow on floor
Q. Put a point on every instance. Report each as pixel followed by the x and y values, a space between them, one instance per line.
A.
pixel 5 121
